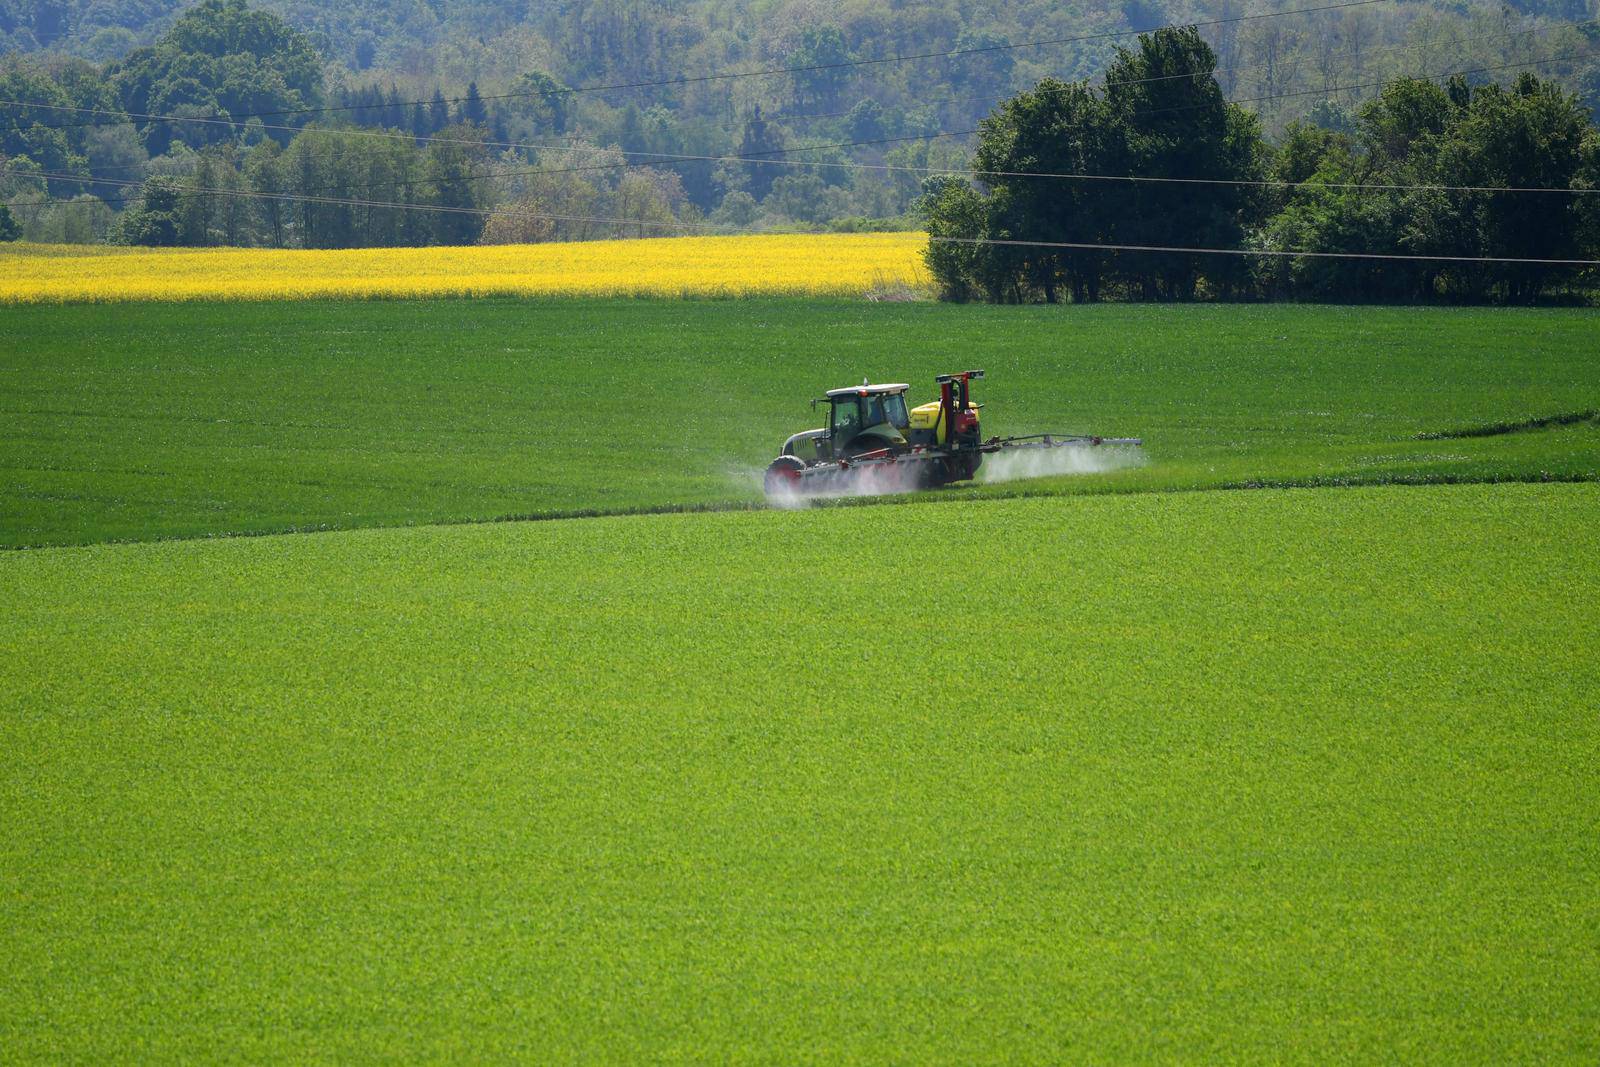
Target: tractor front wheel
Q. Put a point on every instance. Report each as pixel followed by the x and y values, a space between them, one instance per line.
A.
pixel 783 476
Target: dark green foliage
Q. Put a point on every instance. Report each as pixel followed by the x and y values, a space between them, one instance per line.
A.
pixel 539 109
pixel 220 59
pixel 157 217
pixel 1371 191
pixel 472 107
pixel 445 164
pixel 320 192
pixel 865 121
pixel 988 67
pixel 1531 135
pixel 1166 117
pixel 955 210
pixel 821 74
pixel 1408 113
pixel 1303 151
pixel 1161 114
pixel 9 229
pixel 1062 128
pixel 29 132
pixel 761 139
pixel 801 196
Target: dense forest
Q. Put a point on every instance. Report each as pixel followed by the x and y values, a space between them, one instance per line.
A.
pixel 371 123
pixel 425 44
pixel 1471 191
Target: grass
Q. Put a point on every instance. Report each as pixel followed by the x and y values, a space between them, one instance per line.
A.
pixel 136 421
pixel 800 264
pixel 1295 776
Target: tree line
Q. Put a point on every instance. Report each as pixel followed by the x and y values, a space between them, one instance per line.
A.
pixel 409 196
pixel 1421 171
pixel 505 68
pixel 382 169
pixel 421 45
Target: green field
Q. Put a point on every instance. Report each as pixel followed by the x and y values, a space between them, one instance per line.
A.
pixel 1292 776
pixel 1063 770
pixel 139 421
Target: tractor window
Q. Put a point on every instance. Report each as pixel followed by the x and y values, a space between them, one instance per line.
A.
pixel 886 407
pixel 894 407
pixel 846 418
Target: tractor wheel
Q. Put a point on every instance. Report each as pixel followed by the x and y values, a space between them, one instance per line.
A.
pixel 927 473
pixel 956 469
pixel 783 476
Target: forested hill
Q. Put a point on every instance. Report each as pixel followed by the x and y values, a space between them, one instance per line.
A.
pixel 417 45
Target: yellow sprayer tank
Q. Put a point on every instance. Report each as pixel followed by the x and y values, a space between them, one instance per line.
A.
pixel 926 417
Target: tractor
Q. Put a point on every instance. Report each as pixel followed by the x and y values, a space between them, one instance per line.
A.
pixel 873 442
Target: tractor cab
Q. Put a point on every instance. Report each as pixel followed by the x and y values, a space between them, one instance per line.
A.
pixel 861 419
pixel 867 418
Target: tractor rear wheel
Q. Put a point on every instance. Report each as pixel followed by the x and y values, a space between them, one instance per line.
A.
pixel 783 476
pixel 958 468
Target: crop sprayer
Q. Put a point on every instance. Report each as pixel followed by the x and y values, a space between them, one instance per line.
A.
pixel 873 443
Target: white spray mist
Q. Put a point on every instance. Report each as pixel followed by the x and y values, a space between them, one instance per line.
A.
pixel 1015 464
pixel 886 479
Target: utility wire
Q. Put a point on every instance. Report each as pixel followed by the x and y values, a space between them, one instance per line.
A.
pixel 128 116
pixel 665 159
pixel 840 65
pixel 790 116
pixel 395 205
pixel 785 116
pixel 1075 245
pixel 1087 246
pixel 1191 107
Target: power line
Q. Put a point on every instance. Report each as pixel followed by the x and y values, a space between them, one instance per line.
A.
pixel 394 205
pixel 791 116
pixel 1115 177
pixel 986 241
pixel 796 116
pixel 1084 245
pixel 665 159
pixel 1231 68
pixel 238 120
pixel 840 65
pixel 1259 183
pixel 1364 52
pixel 1191 107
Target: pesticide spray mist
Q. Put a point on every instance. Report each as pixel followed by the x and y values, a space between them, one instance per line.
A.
pixel 1009 466
pixel 1022 463
pixel 883 480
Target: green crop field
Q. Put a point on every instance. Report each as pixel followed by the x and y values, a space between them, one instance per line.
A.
pixel 1293 776
pixel 140 421
pixel 1074 769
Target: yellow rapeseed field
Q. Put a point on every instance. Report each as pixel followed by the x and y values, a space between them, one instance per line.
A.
pixel 808 264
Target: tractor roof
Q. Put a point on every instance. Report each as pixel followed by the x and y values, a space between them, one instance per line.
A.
pixel 868 390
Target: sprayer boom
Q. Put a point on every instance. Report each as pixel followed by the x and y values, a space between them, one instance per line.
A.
pixel 1055 440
